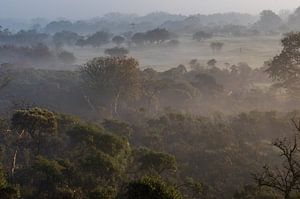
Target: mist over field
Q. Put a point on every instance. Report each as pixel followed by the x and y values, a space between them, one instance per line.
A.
pixel 166 99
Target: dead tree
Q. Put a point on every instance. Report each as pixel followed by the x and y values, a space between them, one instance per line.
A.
pixel 286 179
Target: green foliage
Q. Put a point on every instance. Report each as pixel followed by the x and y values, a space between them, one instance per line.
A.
pixel 38 123
pixel 49 168
pixel 84 133
pixel 116 75
pixel 157 162
pixel 112 145
pixel 253 192
pixel 34 121
pixel 117 127
pixel 101 166
pixel 151 188
pixel 103 193
pixel 9 193
pixel 3 182
pixel 117 78
pixel 158 35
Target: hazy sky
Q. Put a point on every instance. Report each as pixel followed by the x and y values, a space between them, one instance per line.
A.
pixel 90 8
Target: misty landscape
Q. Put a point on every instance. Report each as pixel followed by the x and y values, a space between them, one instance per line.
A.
pixel 149 100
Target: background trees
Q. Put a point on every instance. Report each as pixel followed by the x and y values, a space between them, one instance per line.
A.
pixel 158 36
pixel 96 40
pixel 269 22
pixel 66 57
pixel 118 40
pixel 116 52
pixel 65 38
pixel 216 46
pixel 201 35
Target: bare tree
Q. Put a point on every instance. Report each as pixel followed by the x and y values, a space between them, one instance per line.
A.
pixel 286 179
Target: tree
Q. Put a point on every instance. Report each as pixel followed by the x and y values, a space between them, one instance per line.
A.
pixel 216 46
pixel 157 162
pixel 115 77
pixel 117 52
pixel 157 35
pixel 293 20
pixel 7 191
pixel 285 180
pixel 285 67
pixel 212 63
pixel 117 127
pixel 207 84
pixel 98 39
pixel 139 38
pixel 268 22
pixel 101 156
pixel 173 43
pixel 107 192
pixel 151 188
pixel 58 26
pixel 36 122
pixel 118 40
pixel 253 192
pixel 80 42
pixel 201 35
pixel 66 57
pixel 65 38
pixel 47 174
pixel 193 189
pixel 100 167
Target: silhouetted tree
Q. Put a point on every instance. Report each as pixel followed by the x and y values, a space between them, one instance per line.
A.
pixel 284 68
pixel 285 180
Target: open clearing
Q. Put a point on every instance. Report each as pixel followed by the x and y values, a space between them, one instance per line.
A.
pixel 253 50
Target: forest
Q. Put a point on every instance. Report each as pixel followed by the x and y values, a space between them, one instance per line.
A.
pixel 159 106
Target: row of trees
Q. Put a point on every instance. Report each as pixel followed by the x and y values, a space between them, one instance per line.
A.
pixel 188 89
pixel 35 55
pixel 52 155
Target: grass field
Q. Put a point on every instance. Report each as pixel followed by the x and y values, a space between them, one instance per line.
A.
pixel 253 50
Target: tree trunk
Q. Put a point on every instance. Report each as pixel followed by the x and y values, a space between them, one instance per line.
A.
pixel 87 99
pixel 287 196
pixel 13 164
pixel 116 104
pixel 14 159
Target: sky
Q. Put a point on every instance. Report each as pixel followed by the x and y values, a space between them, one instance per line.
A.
pixel 83 9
